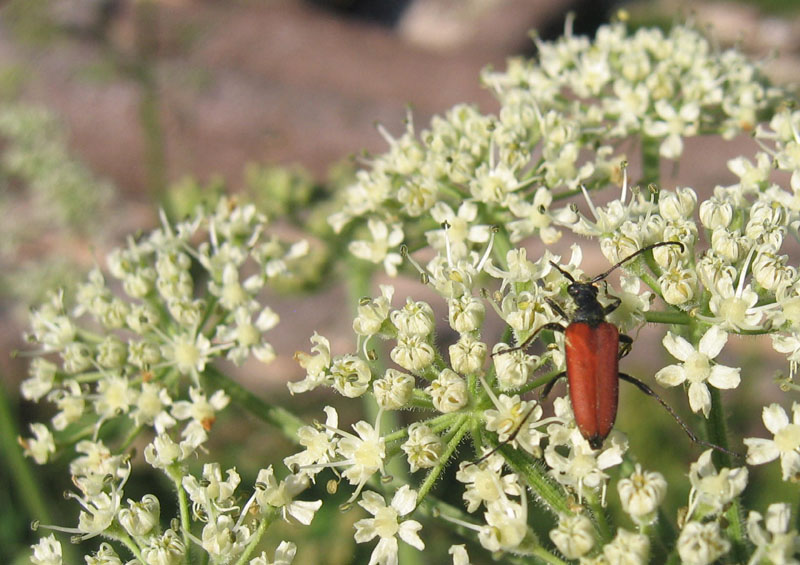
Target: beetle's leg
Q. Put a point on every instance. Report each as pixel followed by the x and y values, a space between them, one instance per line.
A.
pixel 549 386
pixel 552 326
pixel 650 392
pixel 615 301
pixel 556 308
pixel 510 438
pixel 625 345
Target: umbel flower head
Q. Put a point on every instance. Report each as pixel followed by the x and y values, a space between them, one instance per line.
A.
pixel 452 204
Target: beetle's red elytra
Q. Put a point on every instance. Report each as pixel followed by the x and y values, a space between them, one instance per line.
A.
pixel 593 375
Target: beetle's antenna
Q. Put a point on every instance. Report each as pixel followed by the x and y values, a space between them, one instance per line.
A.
pixel 650 392
pixel 633 256
pixel 569 277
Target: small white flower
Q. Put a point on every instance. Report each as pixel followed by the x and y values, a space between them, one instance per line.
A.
pixel 320 445
pixel 373 312
pixel 513 369
pixel 384 238
pixel 423 448
pixel 485 483
pixel 42 446
pixel 467 355
pixel 702 544
pixel 47 551
pixel 712 490
pixel 641 493
pixel 42 375
pixel 413 353
pixel 188 352
pixel 151 408
pixel 574 535
pixel 363 454
pixel 105 555
pixel 516 416
pixel 166 549
pixel 199 408
pixel 627 548
pixel 776 542
pixel 284 555
pixel 697 368
pixel 448 392
pixel 351 375
pixel 394 390
pixel 506 525
pixel 414 319
pixel 460 231
pixel 785 443
pixel 315 364
pixel 386 523
pixel 224 539
pixel 466 313
pixel 139 518
pixel 269 492
pixel 459 553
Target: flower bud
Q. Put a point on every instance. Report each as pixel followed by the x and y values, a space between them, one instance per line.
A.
pixel 394 390
pixel 448 392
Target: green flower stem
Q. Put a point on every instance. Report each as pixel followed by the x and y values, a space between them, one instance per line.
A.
pixel 667 317
pixel 459 429
pixel 536 383
pixel 420 399
pixel 129 439
pixel 123 537
pixel 717 428
pixel 600 519
pixel 534 474
pixel 541 553
pixel 501 246
pixel 736 532
pixel 651 162
pixel 176 476
pixel 665 535
pixel 277 416
pixel 265 523
pixel 23 483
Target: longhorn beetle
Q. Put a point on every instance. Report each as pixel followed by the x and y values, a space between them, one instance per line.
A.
pixel 592 350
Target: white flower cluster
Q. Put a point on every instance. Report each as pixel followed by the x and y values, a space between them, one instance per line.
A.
pixel 467 189
pixel 726 275
pixel 229 533
pixel 136 358
pixel 561 120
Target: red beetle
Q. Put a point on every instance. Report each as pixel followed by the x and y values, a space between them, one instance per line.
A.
pixel 592 350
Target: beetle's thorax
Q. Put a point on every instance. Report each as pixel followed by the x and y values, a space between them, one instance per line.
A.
pixel 587 308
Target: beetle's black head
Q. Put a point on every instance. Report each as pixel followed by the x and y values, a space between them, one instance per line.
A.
pixel 580 291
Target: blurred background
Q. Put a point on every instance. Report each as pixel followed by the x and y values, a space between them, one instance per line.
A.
pixel 108 108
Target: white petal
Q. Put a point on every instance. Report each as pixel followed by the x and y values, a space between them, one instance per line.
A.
pixel 724 377
pixel 372 502
pixel 775 418
pixel 365 530
pixel 699 398
pixel 678 347
pixel 790 465
pixel 760 450
pixel 408 533
pixel 385 552
pixel 713 341
pixel 404 500
pixel 671 375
